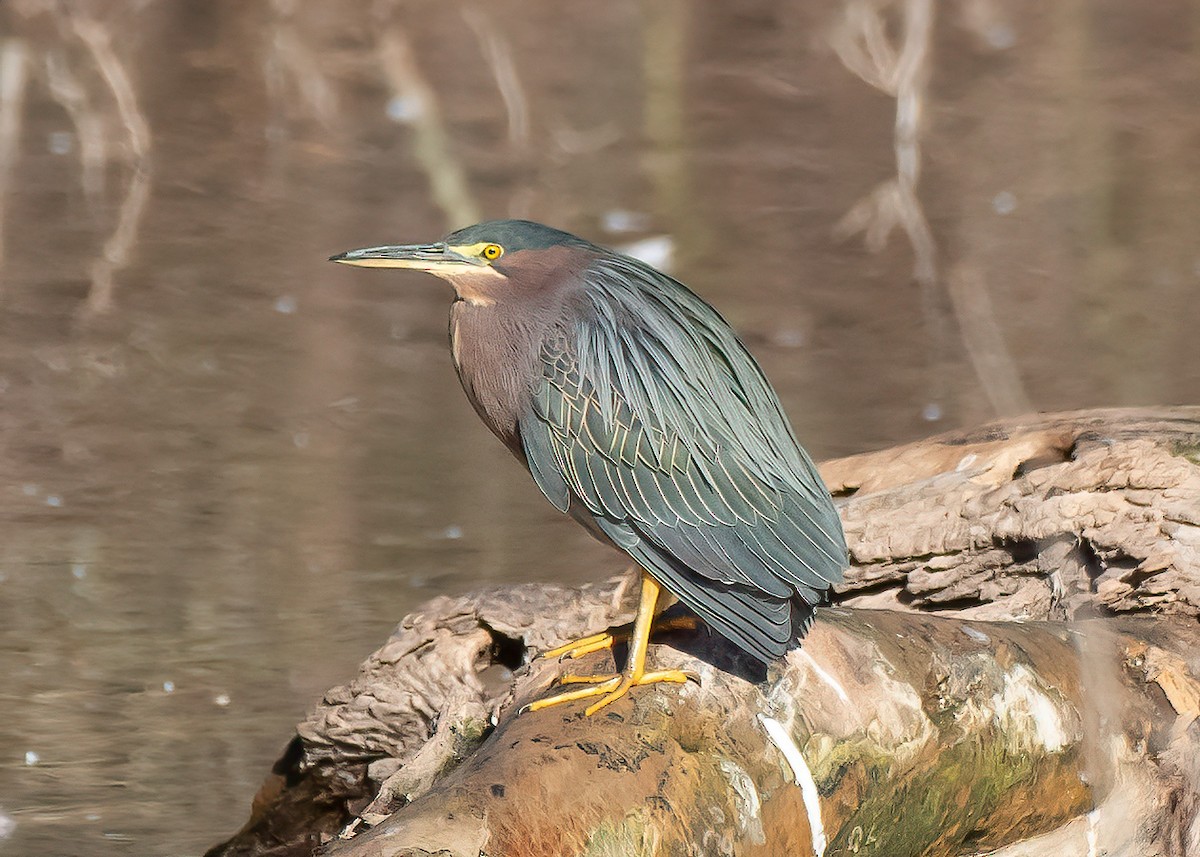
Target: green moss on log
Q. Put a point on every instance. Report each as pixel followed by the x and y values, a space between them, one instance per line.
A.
pixel 1190 451
pixel 632 836
pixel 944 808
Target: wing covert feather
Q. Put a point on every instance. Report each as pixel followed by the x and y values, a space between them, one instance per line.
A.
pixel 673 443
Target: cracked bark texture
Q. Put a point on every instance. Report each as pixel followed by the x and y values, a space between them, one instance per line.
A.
pixel 909 733
pixel 1044 517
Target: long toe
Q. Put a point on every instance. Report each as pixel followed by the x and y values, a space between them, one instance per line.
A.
pixel 604 685
pixel 616 693
pixel 583 646
pixel 571 678
pixel 674 676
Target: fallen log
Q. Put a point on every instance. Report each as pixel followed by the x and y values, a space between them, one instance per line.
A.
pixel 892 731
pixel 1045 517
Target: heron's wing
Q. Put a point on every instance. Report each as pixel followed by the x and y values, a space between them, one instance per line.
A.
pixel 737 539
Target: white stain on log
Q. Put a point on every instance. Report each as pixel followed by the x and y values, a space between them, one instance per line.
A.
pixel 1022 703
pixel 803 777
pixel 749 804
pixel 824 676
pixel 976 635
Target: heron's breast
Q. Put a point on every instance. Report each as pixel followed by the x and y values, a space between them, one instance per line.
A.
pixel 495 371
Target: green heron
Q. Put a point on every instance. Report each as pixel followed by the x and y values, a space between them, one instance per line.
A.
pixel 638 412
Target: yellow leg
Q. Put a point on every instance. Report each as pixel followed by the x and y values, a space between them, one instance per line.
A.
pixel 596 642
pixel 615 686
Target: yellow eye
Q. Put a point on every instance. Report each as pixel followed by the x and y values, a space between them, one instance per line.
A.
pixel 492 252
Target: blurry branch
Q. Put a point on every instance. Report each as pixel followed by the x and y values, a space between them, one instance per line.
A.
pixel 431 143
pixel 985 342
pixel 116 251
pixel 290 59
pixel 98 40
pixel 12 94
pixel 70 94
pixel 664 60
pixel 67 90
pixel 861 42
pixel 498 54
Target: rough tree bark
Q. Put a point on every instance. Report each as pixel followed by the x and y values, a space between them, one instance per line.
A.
pixel 897 731
pixel 1044 517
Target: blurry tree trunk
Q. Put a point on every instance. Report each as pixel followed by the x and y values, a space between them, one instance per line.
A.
pixel 891 732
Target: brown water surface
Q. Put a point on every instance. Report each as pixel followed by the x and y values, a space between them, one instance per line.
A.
pixel 227 468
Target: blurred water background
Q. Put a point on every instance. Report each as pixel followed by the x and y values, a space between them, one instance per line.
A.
pixel 227 468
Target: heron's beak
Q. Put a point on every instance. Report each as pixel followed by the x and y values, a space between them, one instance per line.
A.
pixel 437 259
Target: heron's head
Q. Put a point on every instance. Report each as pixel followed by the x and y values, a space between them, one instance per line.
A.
pixel 488 263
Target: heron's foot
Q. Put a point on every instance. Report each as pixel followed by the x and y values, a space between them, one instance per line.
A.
pixel 609 687
pixel 605 640
pixel 583 646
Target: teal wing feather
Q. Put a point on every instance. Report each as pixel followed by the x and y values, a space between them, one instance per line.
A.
pixel 653 421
